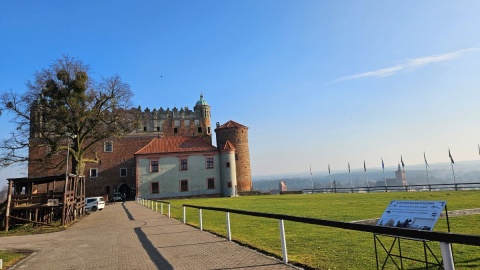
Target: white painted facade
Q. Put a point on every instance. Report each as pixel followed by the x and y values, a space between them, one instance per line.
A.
pixel 169 176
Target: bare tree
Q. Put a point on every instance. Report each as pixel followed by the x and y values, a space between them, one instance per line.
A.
pixel 3 194
pixel 63 100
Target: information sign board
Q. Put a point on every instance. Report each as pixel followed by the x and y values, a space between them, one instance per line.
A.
pixel 418 215
pixel 53 202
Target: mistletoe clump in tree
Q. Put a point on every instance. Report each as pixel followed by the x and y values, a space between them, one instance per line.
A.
pixel 64 100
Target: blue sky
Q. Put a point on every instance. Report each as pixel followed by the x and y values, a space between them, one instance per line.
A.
pixel 317 82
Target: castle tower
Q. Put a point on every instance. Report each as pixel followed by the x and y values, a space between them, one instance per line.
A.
pixel 237 135
pixel 400 176
pixel 228 175
pixel 202 110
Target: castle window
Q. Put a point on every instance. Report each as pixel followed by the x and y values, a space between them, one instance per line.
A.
pixel 229 184
pixel 108 146
pixel 199 129
pixel 209 163
pixel 154 188
pixel 93 173
pixel 158 128
pixel 153 166
pixel 123 172
pixel 175 130
pixel 211 183
pixel 144 128
pixel 236 156
pixel 183 164
pixel 183 185
pixel 187 123
pixel 228 164
pixel 177 123
pixel 208 130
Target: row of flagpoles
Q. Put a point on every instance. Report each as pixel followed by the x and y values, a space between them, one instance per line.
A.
pixel 403 166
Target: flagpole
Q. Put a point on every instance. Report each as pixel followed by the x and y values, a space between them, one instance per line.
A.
pixel 453 171
pixel 330 177
pixel 426 169
pixel 365 169
pixel 351 182
pixel 403 167
pixel 383 168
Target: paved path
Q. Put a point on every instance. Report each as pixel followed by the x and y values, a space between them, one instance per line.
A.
pixel 130 236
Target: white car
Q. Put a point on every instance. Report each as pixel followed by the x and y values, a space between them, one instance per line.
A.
pixel 95 203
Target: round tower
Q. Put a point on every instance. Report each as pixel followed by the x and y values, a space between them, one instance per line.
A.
pixel 237 135
pixel 202 109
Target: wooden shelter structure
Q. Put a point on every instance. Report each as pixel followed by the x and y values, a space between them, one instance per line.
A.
pixel 43 200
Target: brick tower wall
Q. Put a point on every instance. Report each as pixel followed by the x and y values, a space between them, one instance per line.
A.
pixel 238 136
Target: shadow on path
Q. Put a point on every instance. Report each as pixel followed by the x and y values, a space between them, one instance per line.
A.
pixel 152 252
pixel 129 215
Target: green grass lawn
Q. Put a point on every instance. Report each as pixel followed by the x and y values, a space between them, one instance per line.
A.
pixel 11 257
pixel 331 248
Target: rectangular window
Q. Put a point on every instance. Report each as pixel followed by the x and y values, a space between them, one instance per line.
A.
pixel 199 130
pixel 176 123
pixel 158 128
pixel 153 166
pixel 186 123
pixel 175 130
pixel 197 123
pixel 209 163
pixel 183 165
pixel 229 184
pixel 93 172
pixel 155 188
pixel 108 146
pixel 208 130
pixel 144 128
pixel 123 172
pixel 228 164
pixel 211 183
pixel 183 185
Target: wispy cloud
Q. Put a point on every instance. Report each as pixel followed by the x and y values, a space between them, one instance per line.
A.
pixel 409 64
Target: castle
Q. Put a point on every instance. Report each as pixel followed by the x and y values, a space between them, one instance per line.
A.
pixel 399 180
pixel 169 154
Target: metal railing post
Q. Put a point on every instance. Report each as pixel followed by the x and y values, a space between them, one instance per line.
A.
pixel 283 241
pixel 161 208
pixel 201 220
pixel 156 206
pixel 229 233
pixel 168 210
pixel 184 215
pixel 447 256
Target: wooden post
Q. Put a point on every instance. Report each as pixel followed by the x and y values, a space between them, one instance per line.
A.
pixel 9 202
pixel 229 232
pixel 283 241
pixel 64 206
pixel 447 255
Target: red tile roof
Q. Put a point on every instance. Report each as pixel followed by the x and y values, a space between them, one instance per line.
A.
pixel 231 124
pixel 228 146
pixel 176 145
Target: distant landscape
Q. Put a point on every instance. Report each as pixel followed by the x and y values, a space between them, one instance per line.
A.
pixel 439 173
